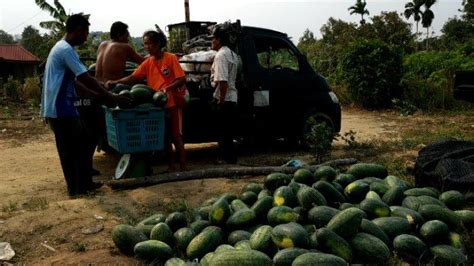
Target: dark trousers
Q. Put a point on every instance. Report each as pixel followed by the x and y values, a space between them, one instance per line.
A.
pixel 92 117
pixel 227 115
pixel 71 143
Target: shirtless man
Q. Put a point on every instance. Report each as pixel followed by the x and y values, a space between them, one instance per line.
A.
pixel 112 55
pixel 110 64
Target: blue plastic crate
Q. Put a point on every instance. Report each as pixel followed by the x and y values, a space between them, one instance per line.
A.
pixel 135 130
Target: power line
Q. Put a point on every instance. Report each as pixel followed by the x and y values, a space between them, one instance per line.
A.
pixel 8 31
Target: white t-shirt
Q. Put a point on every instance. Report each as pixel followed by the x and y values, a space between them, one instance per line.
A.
pixel 224 68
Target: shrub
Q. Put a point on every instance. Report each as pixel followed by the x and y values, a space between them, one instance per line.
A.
pixel 342 94
pixel 12 89
pixel 372 70
pixel 32 90
pixel 319 139
pixel 428 79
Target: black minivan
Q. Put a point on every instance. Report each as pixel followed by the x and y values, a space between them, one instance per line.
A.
pixel 278 91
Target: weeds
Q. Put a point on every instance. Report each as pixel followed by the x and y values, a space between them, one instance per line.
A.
pixel 405 108
pixel 125 215
pixel 179 205
pixel 6 112
pixel 79 247
pixel 396 166
pixel 413 137
pixel 10 207
pixel 319 139
pixel 36 204
pixel 62 207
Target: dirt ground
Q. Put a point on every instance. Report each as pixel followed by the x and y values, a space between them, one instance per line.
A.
pixel 45 227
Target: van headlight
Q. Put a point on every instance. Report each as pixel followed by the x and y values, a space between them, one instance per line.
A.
pixel 333 97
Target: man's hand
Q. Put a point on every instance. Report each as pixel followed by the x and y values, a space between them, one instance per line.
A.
pixel 112 100
pixel 221 101
pixel 121 100
pixel 110 84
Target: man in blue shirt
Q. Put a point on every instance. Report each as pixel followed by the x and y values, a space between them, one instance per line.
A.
pixel 63 68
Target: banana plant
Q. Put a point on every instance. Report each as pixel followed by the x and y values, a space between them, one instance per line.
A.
pixel 58 25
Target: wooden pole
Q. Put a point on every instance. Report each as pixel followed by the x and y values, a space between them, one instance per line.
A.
pixel 186 10
pixel 230 172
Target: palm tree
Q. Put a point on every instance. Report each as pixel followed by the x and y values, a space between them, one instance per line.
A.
pixel 414 9
pixel 359 8
pixel 427 18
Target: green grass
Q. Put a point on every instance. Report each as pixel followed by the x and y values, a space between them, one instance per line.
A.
pixel 414 137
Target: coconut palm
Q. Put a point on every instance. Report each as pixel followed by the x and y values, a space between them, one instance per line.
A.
pixel 427 18
pixel 359 8
pixel 414 9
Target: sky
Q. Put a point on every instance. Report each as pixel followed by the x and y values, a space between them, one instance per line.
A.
pixel 291 17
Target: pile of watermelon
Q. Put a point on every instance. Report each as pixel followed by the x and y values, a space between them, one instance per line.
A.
pixel 362 216
pixel 142 96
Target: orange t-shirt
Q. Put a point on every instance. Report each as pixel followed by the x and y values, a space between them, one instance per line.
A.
pixel 160 74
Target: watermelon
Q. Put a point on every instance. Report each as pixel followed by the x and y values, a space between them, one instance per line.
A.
pixel 153 250
pixel 126 237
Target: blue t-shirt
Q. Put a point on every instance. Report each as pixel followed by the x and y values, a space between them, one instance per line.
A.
pixel 62 67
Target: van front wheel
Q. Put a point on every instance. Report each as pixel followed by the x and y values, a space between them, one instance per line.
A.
pixel 319 120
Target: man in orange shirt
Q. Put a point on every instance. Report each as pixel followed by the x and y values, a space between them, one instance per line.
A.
pixel 162 72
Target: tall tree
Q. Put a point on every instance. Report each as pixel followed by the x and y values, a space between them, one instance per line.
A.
pixel 468 10
pixel 414 9
pixel 307 42
pixel 6 38
pixel 427 18
pixel 391 28
pixel 31 39
pixel 359 8
pixel 456 32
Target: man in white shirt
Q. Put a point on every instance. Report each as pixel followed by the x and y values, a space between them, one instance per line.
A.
pixel 223 76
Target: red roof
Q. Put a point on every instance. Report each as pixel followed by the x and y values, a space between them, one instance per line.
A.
pixel 16 52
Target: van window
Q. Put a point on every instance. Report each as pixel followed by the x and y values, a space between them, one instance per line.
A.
pixel 275 53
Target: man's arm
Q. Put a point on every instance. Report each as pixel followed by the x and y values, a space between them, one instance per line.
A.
pixel 83 91
pixel 134 56
pixel 129 80
pixel 92 84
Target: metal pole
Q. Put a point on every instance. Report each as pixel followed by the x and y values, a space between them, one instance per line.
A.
pixel 186 10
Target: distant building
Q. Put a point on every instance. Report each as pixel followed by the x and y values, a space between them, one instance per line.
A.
pixel 16 61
